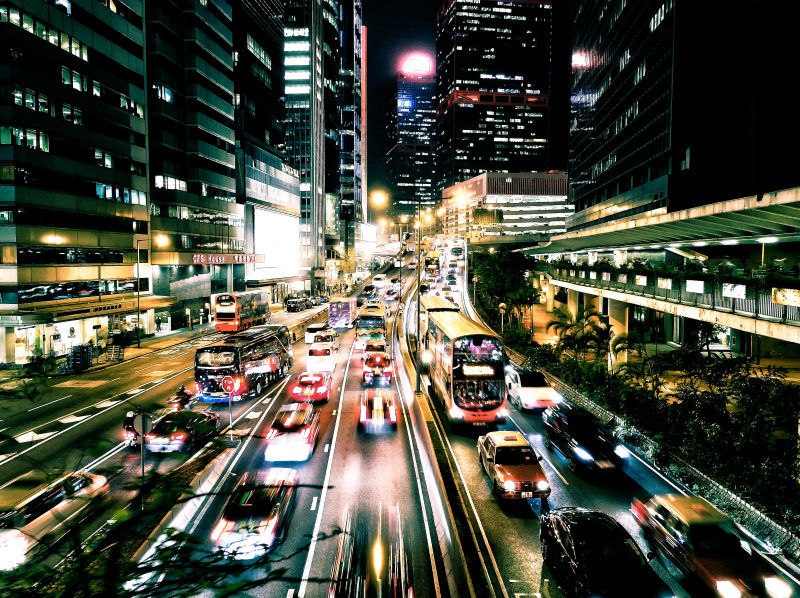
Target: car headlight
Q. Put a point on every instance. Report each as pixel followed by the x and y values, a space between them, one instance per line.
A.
pixel 558 397
pixel 583 454
pixel 542 485
pixel 509 486
pixel 622 452
pixel 777 588
pixel 727 589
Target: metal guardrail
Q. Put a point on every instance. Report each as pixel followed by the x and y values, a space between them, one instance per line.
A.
pixel 772 534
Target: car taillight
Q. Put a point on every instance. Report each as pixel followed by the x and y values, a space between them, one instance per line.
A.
pixel 272 433
pixel 223 527
pixel 178 436
pixel 363 413
pixel 149 436
pixel 392 414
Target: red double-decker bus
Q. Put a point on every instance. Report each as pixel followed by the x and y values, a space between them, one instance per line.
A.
pixel 238 311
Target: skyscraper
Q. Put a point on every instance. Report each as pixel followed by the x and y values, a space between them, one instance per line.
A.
pixel 410 130
pixel 193 208
pixel 675 105
pixel 493 88
pixel 305 125
pixel 73 176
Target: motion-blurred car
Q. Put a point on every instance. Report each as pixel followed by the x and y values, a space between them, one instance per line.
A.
pixel 321 358
pixel 257 515
pixel 311 387
pixel 530 390
pixel 589 554
pixel 707 547
pixel 328 336
pixel 377 369
pixel 293 433
pixel 412 265
pixel 392 295
pixel 372 559
pixel 512 466
pixel 379 280
pixel 586 443
pixel 451 279
pixel 313 330
pixel 181 431
pixel 33 510
pixel 378 412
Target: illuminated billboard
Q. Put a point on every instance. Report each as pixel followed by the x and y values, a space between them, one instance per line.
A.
pixel 276 236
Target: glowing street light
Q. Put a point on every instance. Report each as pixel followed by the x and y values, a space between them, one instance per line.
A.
pixel 379 198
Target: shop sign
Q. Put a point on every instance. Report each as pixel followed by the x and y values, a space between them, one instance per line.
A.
pixel 665 283
pixel 226 258
pixel 790 297
pixel 641 280
pixel 734 291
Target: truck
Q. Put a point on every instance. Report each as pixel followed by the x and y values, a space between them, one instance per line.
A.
pixel 342 312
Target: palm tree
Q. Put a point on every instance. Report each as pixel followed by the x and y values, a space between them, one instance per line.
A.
pixel 580 332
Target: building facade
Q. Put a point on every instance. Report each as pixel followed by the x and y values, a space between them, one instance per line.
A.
pixel 494 66
pixel 74 191
pixel 652 131
pixel 198 228
pixel 496 204
pixel 410 132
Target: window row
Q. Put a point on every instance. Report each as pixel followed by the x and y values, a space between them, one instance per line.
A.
pixel 24 138
pixel 120 194
pixel 196 215
pixel 78 255
pixel 13 15
pixel 80 82
pixel 168 182
pixel 259 52
pixel 211 244
pixel 31 293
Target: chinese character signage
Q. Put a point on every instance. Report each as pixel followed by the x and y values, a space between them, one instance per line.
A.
pixel 206 259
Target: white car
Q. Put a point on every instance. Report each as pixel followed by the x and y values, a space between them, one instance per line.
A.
pixel 327 336
pixel 379 280
pixel 321 358
pixel 530 390
pixel 314 329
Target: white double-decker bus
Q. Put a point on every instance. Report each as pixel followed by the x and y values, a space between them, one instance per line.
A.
pixel 467 366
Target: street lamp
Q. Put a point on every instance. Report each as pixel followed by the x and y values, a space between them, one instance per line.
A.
pixel 138 297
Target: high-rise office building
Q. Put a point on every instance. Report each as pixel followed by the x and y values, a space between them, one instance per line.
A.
pixel 305 125
pixel 73 176
pixel 197 225
pixel 410 131
pixel 494 64
pixel 331 120
pixel 267 187
pixel 351 97
pixel 675 104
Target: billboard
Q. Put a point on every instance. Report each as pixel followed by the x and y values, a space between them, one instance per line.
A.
pixel 276 236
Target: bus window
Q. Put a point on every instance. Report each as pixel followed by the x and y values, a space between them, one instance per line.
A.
pixel 474 392
pixel 479 349
pixel 319 352
pixel 215 359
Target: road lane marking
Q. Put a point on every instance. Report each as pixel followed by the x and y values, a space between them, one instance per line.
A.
pixel 32 436
pixel 50 403
pixel 290 593
pixel 313 545
pixel 314 504
pixel 80 383
pixel 115 379
pixel 327 447
pixel 333 412
pixel 71 419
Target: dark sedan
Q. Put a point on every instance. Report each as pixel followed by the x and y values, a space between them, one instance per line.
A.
pixel 589 554
pixel 586 443
pixel 181 430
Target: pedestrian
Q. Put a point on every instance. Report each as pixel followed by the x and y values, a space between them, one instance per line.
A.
pixel 158 323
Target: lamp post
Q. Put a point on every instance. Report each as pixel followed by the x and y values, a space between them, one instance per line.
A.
pixel 138 297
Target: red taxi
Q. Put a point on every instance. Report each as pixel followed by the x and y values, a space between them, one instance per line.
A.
pixel 377 369
pixel 311 387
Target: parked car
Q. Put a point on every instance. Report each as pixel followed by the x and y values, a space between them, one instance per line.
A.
pixel 33 510
pixel 707 547
pixel 181 431
pixel 530 390
pixel 297 304
pixel 512 466
pixel 589 554
pixel 586 443
pixel 257 514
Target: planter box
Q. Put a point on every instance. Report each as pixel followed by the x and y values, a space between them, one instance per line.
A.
pixel 700 287
pixel 734 290
pixel 640 280
pixel 665 283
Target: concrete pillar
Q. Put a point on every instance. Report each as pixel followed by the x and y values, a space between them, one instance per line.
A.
pixel 591 301
pixel 618 318
pixel 572 301
pixel 8 345
pixel 549 295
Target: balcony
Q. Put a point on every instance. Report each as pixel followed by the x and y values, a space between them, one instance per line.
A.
pixel 759 294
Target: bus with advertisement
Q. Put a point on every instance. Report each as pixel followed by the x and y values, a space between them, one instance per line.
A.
pixel 253 358
pixel 467 368
pixel 235 312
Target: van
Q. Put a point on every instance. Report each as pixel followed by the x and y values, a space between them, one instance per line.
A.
pixel 313 330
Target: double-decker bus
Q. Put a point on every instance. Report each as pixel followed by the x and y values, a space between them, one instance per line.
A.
pixel 467 369
pixel 369 318
pixel 253 358
pixel 433 263
pixel 239 311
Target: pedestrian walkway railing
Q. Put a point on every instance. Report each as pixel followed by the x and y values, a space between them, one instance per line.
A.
pixel 750 296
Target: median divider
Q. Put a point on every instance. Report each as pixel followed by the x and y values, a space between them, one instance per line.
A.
pixel 439 477
pixel 180 515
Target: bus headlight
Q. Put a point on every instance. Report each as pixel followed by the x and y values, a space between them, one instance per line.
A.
pixel 455 413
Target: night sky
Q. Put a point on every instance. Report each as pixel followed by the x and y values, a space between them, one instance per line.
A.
pixel 394 27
